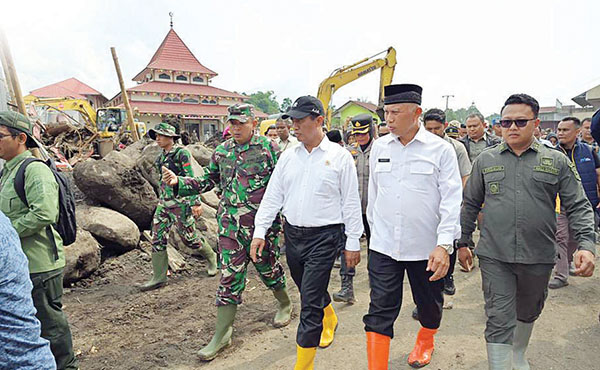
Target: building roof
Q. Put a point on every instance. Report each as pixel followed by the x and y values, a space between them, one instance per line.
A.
pixel 368 106
pixel 173 54
pixel 70 87
pixel 184 109
pixel 184 88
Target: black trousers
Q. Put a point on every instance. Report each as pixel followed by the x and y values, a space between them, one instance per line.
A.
pixel 344 270
pixel 452 263
pixel 311 252
pixel 386 276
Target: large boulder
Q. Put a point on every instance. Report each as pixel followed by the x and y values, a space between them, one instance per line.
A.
pixel 210 198
pixel 201 153
pixel 112 229
pixel 82 257
pixel 115 184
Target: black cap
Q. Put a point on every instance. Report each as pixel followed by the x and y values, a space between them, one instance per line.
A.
pixel 361 123
pixel 403 93
pixel 303 106
pixel 335 136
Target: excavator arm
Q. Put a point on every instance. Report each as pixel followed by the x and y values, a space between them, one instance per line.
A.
pixel 347 74
pixel 67 104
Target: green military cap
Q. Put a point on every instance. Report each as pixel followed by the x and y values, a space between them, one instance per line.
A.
pixel 361 123
pixel 18 122
pixel 163 129
pixel 240 112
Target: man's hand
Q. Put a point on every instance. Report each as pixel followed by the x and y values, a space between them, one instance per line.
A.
pixel 352 258
pixel 197 211
pixel 256 245
pixel 465 258
pixel 439 262
pixel 584 263
pixel 169 176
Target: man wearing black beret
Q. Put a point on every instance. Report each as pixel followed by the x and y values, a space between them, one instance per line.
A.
pixel 413 209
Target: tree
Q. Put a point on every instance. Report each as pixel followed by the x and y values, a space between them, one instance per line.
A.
pixel 265 101
pixel 286 104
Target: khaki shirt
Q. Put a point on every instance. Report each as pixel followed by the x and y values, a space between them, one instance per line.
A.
pixel 464 163
pixel 361 159
pixel 520 194
pixel 289 143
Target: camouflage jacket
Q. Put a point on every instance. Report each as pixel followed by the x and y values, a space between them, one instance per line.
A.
pixel 178 161
pixel 242 173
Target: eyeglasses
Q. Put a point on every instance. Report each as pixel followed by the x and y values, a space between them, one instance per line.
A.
pixel 506 123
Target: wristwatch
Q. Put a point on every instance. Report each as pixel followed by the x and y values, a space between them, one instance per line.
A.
pixel 448 247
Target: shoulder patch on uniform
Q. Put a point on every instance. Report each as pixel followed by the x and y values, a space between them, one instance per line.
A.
pixel 493 169
pixel 501 147
pixel 546 169
pixel 535 145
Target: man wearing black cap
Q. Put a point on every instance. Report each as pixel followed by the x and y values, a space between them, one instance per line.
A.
pixel 315 186
pixel 362 130
pixel 413 209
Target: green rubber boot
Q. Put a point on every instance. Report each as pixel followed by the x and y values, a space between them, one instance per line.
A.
pixel 211 257
pixel 160 265
pixel 284 312
pixel 223 331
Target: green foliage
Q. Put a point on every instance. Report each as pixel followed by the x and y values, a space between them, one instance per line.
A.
pixel 461 114
pixel 265 101
pixel 286 104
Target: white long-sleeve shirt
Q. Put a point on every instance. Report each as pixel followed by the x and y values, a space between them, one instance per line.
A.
pixel 314 189
pixel 415 194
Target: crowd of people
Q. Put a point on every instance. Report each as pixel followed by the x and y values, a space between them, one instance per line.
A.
pixel 414 186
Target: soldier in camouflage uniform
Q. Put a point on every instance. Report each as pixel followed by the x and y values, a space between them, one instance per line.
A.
pixel 241 168
pixel 173 208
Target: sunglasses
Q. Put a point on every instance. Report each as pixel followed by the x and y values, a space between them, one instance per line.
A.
pixel 506 123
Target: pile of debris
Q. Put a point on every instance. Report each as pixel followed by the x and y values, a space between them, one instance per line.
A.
pixel 116 198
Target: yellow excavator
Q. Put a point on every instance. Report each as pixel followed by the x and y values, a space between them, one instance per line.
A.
pixel 57 111
pixel 347 74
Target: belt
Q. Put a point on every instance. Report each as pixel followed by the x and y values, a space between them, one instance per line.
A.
pixel 311 230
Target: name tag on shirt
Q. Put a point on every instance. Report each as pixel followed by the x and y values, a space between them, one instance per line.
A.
pixel 383 160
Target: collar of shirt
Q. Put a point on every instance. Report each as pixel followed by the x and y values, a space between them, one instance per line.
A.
pixel 323 145
pixel 13 162
pixel 422 135
pixel 483 138
pixel 535 146
pixel 243 147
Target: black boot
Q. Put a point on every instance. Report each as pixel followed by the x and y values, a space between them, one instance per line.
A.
pixel 449 288
pixel 346 294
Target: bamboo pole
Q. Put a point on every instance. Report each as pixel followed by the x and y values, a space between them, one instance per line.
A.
pixel 7 77
pixel 130 122
pixel 12 74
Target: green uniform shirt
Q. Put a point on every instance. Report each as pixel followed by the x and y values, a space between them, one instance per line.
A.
pixel 519 193
pixel 242 173
pixel 41 191
pixel 178 160
pixel 476 147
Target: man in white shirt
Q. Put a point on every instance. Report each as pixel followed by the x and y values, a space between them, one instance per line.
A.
pixel 413 209
pixel 315 186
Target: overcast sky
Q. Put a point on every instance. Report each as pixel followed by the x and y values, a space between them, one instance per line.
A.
pixel 479 51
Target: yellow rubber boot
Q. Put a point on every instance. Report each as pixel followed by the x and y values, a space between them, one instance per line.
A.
pixel 330 323
pixel 305 358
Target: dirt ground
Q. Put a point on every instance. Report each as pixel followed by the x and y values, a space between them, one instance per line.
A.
pixel 117 327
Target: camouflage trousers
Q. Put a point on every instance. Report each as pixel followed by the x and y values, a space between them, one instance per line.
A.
pixel 234 256
pixel 165 217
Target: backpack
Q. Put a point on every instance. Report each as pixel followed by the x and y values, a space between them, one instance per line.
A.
pixel 66 225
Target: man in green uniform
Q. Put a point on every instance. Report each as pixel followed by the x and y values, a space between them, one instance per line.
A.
pixel 173 208
pixel 241 167
pixel 33 224
pixel 518 180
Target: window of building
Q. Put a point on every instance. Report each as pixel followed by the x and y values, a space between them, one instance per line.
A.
pixel 198 79
pixel 164 76
pixel 191 101
pixel 176 100
pixel 167 99
pixel 181 78
pixel 209 102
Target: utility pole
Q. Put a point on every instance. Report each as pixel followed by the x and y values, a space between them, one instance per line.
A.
pixel 447 97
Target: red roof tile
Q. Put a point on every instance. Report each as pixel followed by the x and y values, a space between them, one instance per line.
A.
pixel 173 54
pixel 184 109
pixel 70 87
pixel 181 88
